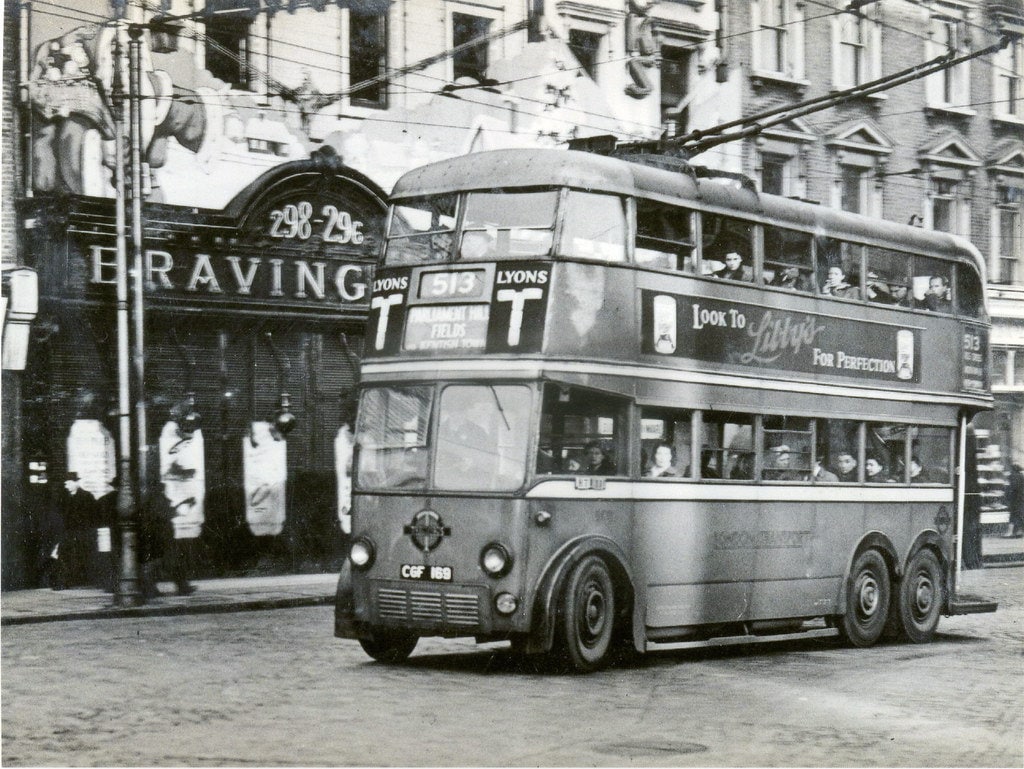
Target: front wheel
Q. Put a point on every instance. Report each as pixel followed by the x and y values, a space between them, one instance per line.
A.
pixel 867 600
pixel 920 597
pixel 587 615
pixel 389 647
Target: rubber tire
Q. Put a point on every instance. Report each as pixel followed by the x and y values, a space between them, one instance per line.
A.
pixel 916 612
pixel 389 647
pixel 586 625
pixel 868 597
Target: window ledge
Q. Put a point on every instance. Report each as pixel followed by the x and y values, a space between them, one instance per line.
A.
pixel 777 78
pixel 944 109
pixel 1008 119
pixel 880 96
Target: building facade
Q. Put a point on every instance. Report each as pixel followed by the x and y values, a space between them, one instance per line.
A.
pixel 945 152
pixel 268 135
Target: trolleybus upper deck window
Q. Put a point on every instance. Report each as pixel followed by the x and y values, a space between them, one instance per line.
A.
pixel 421 231
pixel 508 224
pixel 727 248
pixel 788 259
pixel 594 227
pixel 968 291
pixel 664 236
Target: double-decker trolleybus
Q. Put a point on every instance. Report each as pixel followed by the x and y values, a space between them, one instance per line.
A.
pixel 613 404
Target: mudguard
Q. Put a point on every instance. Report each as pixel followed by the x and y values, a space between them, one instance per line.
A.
pixel 542 634
pixel 882 544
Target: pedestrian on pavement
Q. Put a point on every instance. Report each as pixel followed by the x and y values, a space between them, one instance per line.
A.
pixel 161 553
pixel 77 509
pixel 1015 500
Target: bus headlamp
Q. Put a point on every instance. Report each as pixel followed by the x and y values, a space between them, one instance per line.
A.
pixel 505 603
pixel 495 560
pixel 362 553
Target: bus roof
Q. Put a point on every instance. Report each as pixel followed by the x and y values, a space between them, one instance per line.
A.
pixel 512 168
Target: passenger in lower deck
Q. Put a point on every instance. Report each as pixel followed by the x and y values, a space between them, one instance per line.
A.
pixel 662 465
pixel 846 467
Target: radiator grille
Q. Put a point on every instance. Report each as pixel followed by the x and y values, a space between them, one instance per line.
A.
pixel 429 607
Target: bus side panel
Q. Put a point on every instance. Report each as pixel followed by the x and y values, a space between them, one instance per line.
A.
pixel 691 561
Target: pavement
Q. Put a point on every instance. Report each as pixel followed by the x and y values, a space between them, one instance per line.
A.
pixel 19 607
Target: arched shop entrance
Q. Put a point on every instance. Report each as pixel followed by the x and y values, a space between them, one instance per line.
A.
pixel 254 323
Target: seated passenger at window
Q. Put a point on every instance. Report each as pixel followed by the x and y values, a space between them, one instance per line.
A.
pixel 736 266
pixel 789 277
pixel 778 465
pixel 823 475
pixel 936 298
pixel 662 465
pixel 708 464
pixel 846 467
pixel 597 462
pixel 920 474
pixel 874 471
pixel 742 467
pixel 837 285
pixel 881 292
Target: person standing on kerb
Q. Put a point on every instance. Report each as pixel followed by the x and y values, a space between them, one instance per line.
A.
pixel 77 508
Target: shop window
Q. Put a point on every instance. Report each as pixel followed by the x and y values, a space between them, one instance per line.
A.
pixel 586 47
pixel 472 61
pixel 665 443
pixel 227 49
pixel 367 46
pixel 582 432
pixel 664 236
pixel 726 446
pixel 932 283
pixel 887 280
pixel 1008 81
pixel 786 448
pixel 788 259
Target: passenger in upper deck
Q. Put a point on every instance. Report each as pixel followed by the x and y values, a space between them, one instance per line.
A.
pixel 936 298
pixel 880 292
pixel 735 267
pixel 836 285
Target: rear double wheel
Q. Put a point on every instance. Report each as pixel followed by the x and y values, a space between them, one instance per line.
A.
pixel 915 612
pixel 868 595
pixel 586 617
pixel 389 646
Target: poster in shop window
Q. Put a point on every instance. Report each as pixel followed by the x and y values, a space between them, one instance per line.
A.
pixel 265 455
pixel 183 472
pixel 343 461
pixel 91 454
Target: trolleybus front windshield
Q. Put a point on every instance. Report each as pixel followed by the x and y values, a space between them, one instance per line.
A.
pixel 480 445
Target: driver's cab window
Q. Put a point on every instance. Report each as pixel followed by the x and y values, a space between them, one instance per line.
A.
pixel 582 432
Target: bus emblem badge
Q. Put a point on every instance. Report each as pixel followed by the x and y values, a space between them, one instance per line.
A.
pixel 427 530
pixel 942 519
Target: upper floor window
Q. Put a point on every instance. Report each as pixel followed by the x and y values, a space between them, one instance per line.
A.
pixel 228 48
pixel 778 38
pixel 367 46
pixel 945 202
pixel 675 70
pixel 1008 221
pixel 586 47
pixel 948 87
pixel 856 56
pixel 1008 81
pixel 853 189
pixel 471 61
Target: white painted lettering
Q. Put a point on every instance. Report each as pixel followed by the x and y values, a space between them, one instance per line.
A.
pixel 244 281
pixel 104 264
pixel 203 273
